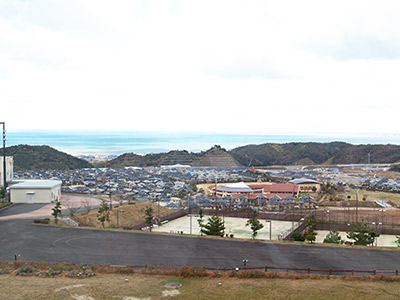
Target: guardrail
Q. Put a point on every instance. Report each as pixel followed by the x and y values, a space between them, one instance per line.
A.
pixel 336 272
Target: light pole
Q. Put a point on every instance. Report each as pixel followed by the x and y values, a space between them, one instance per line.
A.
pixel 109 192
pixel 348 212
pixel 382 210
pixel 376 230
pixel 329 220
pixel 270 229
pixel 119 211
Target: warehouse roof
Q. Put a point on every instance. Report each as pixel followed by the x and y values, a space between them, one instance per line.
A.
pixel 35 184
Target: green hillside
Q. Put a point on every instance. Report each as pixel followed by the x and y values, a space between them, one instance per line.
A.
pixel 43 158
pixel 314 153
pixel 214 157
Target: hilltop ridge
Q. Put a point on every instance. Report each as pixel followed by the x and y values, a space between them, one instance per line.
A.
pixel 44 157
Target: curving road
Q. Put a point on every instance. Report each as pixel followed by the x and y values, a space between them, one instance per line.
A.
pixel 56 244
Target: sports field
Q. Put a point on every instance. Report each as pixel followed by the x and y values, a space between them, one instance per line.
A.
pixel 384 240
pixel 235 226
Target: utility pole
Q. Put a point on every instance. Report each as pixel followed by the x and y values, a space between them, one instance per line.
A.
pixel 357 207
pixel 4 160
pixel 109 193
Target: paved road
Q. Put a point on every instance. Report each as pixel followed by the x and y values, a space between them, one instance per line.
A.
pixel 55 244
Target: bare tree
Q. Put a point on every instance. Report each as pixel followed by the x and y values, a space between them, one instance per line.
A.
pixel 71 208
pixel 87 205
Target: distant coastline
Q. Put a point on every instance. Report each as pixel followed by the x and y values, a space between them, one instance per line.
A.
pixel 119 142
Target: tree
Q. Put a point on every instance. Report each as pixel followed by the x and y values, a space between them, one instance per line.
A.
pixel 200 220
pixel 72 209
pixel 398 240
pixel 254 223
pixel 103 214
pixel 333 237
pixel 2 193
pixel 148 212
pixel 311 236
pixel 311 223
pixel 362 234
pixel 214 226
pixel 194 186
pixel 56 211
pixel 87 205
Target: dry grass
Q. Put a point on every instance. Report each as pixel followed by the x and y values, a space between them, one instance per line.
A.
pixel 133 215
pixel 129 283
pixel 374 195
pixel 139 286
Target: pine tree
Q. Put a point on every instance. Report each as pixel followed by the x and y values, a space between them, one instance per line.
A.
pixel 333 237
pixel 362 234
pixel 255 224
pixel 214 226
pixel 103 214
pixel 56 211
pixel 149 217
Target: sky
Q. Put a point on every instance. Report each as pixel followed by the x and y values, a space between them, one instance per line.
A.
pixel 252 67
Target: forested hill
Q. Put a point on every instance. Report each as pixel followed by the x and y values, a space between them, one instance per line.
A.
pixel 314 153
pixel 43 158
pixel 214 157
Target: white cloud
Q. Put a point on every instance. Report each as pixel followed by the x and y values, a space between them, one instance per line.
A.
pixel 215 66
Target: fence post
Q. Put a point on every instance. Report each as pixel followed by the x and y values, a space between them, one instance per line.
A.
pixel 374 272
pixel 352 272
pixel 308 271
pixel 266 269
pixel 223 270
pixel 397 272
pixel 330 271
pixel 287 270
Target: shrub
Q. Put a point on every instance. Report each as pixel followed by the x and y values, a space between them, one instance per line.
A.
pixel 298 237
pixel 42 221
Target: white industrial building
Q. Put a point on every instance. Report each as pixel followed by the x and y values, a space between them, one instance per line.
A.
pixel 35 191
pixel 29 190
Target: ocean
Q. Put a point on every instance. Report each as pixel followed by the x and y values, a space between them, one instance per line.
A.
pixel 119 142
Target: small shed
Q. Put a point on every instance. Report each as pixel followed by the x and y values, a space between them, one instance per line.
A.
pixel 35 191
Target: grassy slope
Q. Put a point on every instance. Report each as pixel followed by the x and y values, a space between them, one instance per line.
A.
pixel 374 195
pixel 105 286
pixel 133 215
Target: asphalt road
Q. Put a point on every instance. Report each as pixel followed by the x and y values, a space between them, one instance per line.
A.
pixel 58 244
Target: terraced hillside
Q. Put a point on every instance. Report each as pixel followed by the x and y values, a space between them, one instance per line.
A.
pixel 216 157
pixel 178 157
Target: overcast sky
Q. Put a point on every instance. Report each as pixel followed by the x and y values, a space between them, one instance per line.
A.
pixel 266 67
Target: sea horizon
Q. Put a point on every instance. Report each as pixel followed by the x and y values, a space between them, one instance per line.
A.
pixel 88 142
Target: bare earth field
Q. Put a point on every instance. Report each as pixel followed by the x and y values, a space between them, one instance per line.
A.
pixel 141 287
